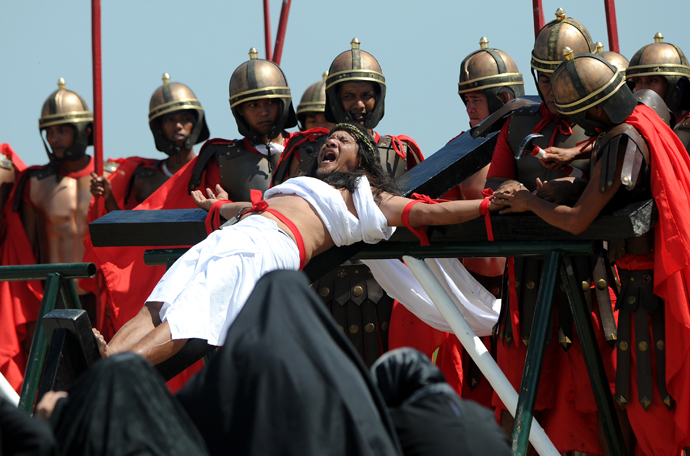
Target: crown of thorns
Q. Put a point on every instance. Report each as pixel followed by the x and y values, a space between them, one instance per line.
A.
pixel 361 136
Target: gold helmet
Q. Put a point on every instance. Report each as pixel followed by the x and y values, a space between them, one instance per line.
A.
pixel 667 60
pixel 258 79
pixel 170 98
pixel 490 71
pixel 354 65
pixel 313 100
pixel 554 36
pixel 67 107
pixel 613 58
pixel 587 80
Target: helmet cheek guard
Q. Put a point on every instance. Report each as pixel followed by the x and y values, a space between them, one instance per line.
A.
pixel 170 99
pixel 258 79
pixel 66 107
pixel 354 65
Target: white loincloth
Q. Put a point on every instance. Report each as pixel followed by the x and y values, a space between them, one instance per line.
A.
pixel 479 307
pixel 206 288
pixel 369 226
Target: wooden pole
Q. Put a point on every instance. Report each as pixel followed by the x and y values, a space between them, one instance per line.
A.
pixel 267 29
pixel 612 25
pixel 280 36
pixel 538 14
pixel 97 87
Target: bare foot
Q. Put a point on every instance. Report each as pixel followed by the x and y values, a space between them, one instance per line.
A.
pixel 100 341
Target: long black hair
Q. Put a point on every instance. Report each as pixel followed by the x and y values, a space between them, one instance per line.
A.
pixel 370 165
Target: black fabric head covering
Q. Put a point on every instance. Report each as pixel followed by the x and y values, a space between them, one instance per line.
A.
pixel 287 382
pixel 121 407
pixel 22 435
pixel 429 417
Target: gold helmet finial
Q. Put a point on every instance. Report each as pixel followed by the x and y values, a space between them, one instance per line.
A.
pixel 61 83
pixel 325 75
pixel 658 38
pixel 568 53
pixel 600 48
pixel 253 54
pixel 354 43
pixel 166 78
pixel 560 14
pixel 483 43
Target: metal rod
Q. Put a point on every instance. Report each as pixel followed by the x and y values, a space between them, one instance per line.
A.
pixel 39 344
pixel 538 15
pixel 475 347
pixel 68 292
pixel 97 88
pixel 267 29
pixel 391 249
pixel 280 35
pixel 40 271
pixel 592 356
pixel 7 391
pixel 535 353
pixel 160 257
pixel 612 25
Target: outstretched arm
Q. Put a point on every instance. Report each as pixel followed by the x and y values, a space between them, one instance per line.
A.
pixel 227 210
pixel 447 213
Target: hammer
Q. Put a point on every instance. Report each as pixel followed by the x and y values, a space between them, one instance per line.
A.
pixel 527 147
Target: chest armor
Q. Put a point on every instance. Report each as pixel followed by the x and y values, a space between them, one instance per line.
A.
pixel 392 163
pixel 145 181
pixel 242 170
pixel 529 168
pixel 308 153
pixel 62 209
pixel 682 130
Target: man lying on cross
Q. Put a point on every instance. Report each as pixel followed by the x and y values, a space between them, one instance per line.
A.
pixel 349 199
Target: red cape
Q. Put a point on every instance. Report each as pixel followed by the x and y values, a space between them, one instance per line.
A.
pixel 670 182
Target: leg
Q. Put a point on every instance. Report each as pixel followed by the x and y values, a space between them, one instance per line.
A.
pixel 134 330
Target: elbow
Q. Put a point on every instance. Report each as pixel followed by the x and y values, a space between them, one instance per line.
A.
pixel 577 228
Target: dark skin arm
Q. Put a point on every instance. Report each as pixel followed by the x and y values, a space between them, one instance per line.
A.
pixel 574 219
pixel 101 186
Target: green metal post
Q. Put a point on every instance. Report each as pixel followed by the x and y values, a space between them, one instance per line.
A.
pixel 39 345
pixel 535 354
pixel 595 366
pixel 68 291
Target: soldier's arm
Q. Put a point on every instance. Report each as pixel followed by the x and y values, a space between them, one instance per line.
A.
pixel 574 219
pixel 101 186
pixel 29 219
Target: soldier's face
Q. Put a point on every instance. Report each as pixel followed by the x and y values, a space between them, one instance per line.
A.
pixel 340 152
pixel 60 137
pixel 358 99
pixel 316 119
pixel 177 126
pixel 544 83
pixel 261 115
pixel 655 83
pixel 477 106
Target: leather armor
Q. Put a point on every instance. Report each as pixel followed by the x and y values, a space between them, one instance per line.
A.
pixel 682 130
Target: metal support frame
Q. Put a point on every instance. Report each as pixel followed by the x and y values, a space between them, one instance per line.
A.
pixel 59 282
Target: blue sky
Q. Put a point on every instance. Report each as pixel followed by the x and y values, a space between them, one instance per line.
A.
pixel 419 45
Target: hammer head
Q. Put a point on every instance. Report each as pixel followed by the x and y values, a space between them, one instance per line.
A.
pixel 526 144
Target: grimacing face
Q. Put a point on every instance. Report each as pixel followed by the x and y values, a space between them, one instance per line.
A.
pixel 340 152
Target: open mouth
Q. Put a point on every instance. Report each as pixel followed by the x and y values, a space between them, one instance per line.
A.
pixel 329 156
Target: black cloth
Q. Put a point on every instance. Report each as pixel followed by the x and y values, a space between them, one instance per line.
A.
pixel 287 382
pixel 22 435
pixel 121 407
pixel 429 417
